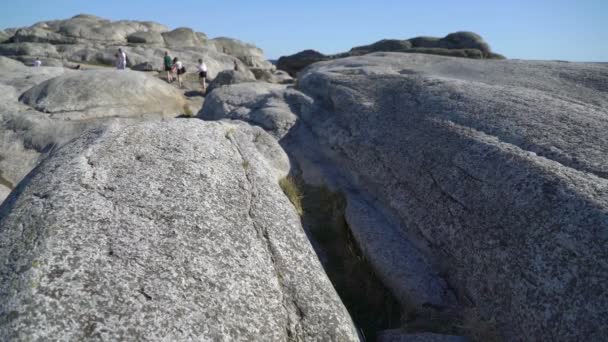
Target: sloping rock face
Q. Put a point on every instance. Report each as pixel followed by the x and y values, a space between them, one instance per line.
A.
pixel 496 169
pixel 162 231
pixel 25 134
pixel 228 77
pixel 102 93
pixel 457 44
pixel 249 54
pixel 261 104
pixel 94 40
pixel 59 104
pixel 272 76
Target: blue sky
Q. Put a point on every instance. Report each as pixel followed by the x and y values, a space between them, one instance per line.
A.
pixel 543 29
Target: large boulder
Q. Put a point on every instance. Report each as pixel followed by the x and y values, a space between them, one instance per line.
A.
pixel 162 231
pixel 228 77
pixel 105 93
pixel 249 54
pixel 182 37
pixel 295 63
pixel 494 170
pixel 25 134
pixel 272 76
pixel 149 37
pixel 261 104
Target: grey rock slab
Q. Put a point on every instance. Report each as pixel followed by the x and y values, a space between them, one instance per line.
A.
pixel 227 77
pixel 263 104
pixel 498 165
pixel 162 231
pixel 4 192
pixel 249 54
pixel 146 37
pixel 397 261
pixel 105 93
pixel 400 336
pixel 181 38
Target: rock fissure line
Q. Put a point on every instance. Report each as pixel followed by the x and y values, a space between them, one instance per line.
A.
pixel 262 232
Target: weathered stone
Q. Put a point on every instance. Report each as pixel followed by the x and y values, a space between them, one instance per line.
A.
pixel 145 66
pixel 296 62
pixel 272 76
pixel 262 104
pixel 495 168
pixel 458 44
pixel 105 93
pixel 249 54
pixel 148 37
pixel 162 231
pixel 181 38
pixel 393 45
pixel 228 77
pixel 400 336
pixel 92 40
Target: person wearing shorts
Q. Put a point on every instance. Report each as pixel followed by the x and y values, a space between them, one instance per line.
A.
pixel 202 74
pixel 179 70
pixel 168 63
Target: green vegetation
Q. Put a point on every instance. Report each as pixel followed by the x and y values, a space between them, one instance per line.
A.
pixel 188 111
pixel 370 304
pixel 291 188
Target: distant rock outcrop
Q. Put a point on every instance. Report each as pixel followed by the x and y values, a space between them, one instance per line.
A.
pixel 296 62
pixel 90 39
pixel 458 44
pixel 163 231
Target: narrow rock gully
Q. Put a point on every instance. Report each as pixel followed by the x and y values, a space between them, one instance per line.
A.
pixel 373 308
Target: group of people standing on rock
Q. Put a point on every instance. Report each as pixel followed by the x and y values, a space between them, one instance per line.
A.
pixel 175 66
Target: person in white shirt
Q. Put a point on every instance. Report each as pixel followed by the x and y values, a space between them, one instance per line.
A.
pixel 179 70
pixel 121 60
pixel 202 74
pixel 37 62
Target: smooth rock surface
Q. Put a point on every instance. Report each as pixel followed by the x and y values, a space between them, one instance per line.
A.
pixel 228 77
pixel 261 104
pixel 399 336
pixel 105 93
pixel 249 54
pixel 497 169
pixel 162 231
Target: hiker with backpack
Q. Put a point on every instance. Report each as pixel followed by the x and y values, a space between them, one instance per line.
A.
pixel 168 63
pixel 179 70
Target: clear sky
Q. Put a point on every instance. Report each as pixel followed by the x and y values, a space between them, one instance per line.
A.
pixel 575 30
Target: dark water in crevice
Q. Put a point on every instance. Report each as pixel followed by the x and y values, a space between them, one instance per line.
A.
pixel 370 304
